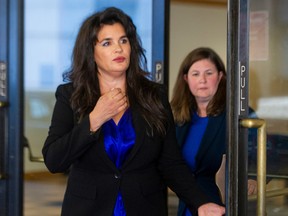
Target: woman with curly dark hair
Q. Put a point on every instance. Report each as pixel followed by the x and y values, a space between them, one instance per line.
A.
pixel 114 129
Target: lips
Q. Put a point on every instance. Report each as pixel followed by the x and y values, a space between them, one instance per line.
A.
pixel 119 59
pixel 203 88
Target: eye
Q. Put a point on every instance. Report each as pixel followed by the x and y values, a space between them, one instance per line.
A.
pixel 195 74
pixel 124 40
pixel 105 43
pixel 209 72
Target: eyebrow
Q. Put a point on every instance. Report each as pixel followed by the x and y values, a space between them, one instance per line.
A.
pixel 109 38
pixel 207 70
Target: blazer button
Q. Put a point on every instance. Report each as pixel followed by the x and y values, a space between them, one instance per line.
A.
pixel 117 176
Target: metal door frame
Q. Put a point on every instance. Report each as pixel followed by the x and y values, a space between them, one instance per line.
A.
pixel 11 55
pixel 237 106
pixel 160 41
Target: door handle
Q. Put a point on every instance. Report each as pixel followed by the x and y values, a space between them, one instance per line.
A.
pixel 32 158
pixel 3 104
pixel 261 161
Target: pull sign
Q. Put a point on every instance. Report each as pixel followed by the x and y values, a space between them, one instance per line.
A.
pixel 159 76
pixel 3 124
pixel 3 81
pixel 243 91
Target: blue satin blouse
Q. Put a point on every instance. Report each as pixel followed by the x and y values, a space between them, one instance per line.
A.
pixel 119 140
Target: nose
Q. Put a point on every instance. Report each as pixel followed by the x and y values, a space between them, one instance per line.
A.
pixel 118 47
pixel 203 78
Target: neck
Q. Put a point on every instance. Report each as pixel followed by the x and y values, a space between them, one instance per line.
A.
pixel 107 83
pixel 202 109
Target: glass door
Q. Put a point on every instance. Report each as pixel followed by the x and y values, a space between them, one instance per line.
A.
pixel 257 50
pixel 268 93
pixel 50 29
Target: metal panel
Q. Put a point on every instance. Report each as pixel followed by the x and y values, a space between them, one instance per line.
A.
pixel 237 106
pixel 160 41
pixel 11 46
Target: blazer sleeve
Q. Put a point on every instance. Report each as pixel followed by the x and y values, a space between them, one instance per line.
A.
pixel 66 140
pixel 176 173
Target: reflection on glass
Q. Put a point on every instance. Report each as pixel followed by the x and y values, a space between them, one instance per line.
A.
pixel 268 79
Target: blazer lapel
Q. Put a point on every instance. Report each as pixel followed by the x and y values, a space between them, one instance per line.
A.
pixel 105 156
pixel 140 131
pixel 181 133
pixel 214 125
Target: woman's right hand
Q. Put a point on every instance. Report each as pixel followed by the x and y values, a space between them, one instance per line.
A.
pixel 109 105
pixel 210 209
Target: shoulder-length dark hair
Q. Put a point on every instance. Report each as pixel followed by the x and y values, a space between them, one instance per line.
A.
pixel 183 102
pixel 83 71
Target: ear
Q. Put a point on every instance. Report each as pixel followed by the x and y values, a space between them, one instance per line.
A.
pixel 185 77
pixel 220 75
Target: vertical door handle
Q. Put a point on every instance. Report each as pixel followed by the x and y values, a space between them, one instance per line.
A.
pixel 261 161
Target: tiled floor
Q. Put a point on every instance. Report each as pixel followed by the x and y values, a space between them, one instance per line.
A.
pixel 43 196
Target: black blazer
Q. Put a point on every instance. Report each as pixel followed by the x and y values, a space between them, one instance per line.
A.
pixel 209 156
pixel 94 181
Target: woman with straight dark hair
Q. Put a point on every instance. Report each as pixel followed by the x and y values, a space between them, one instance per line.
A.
pixel 199 108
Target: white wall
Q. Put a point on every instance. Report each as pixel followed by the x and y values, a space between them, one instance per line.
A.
pixel 194 25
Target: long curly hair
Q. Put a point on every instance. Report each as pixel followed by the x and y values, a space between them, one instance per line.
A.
pixel 84 73
pixel 183 102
